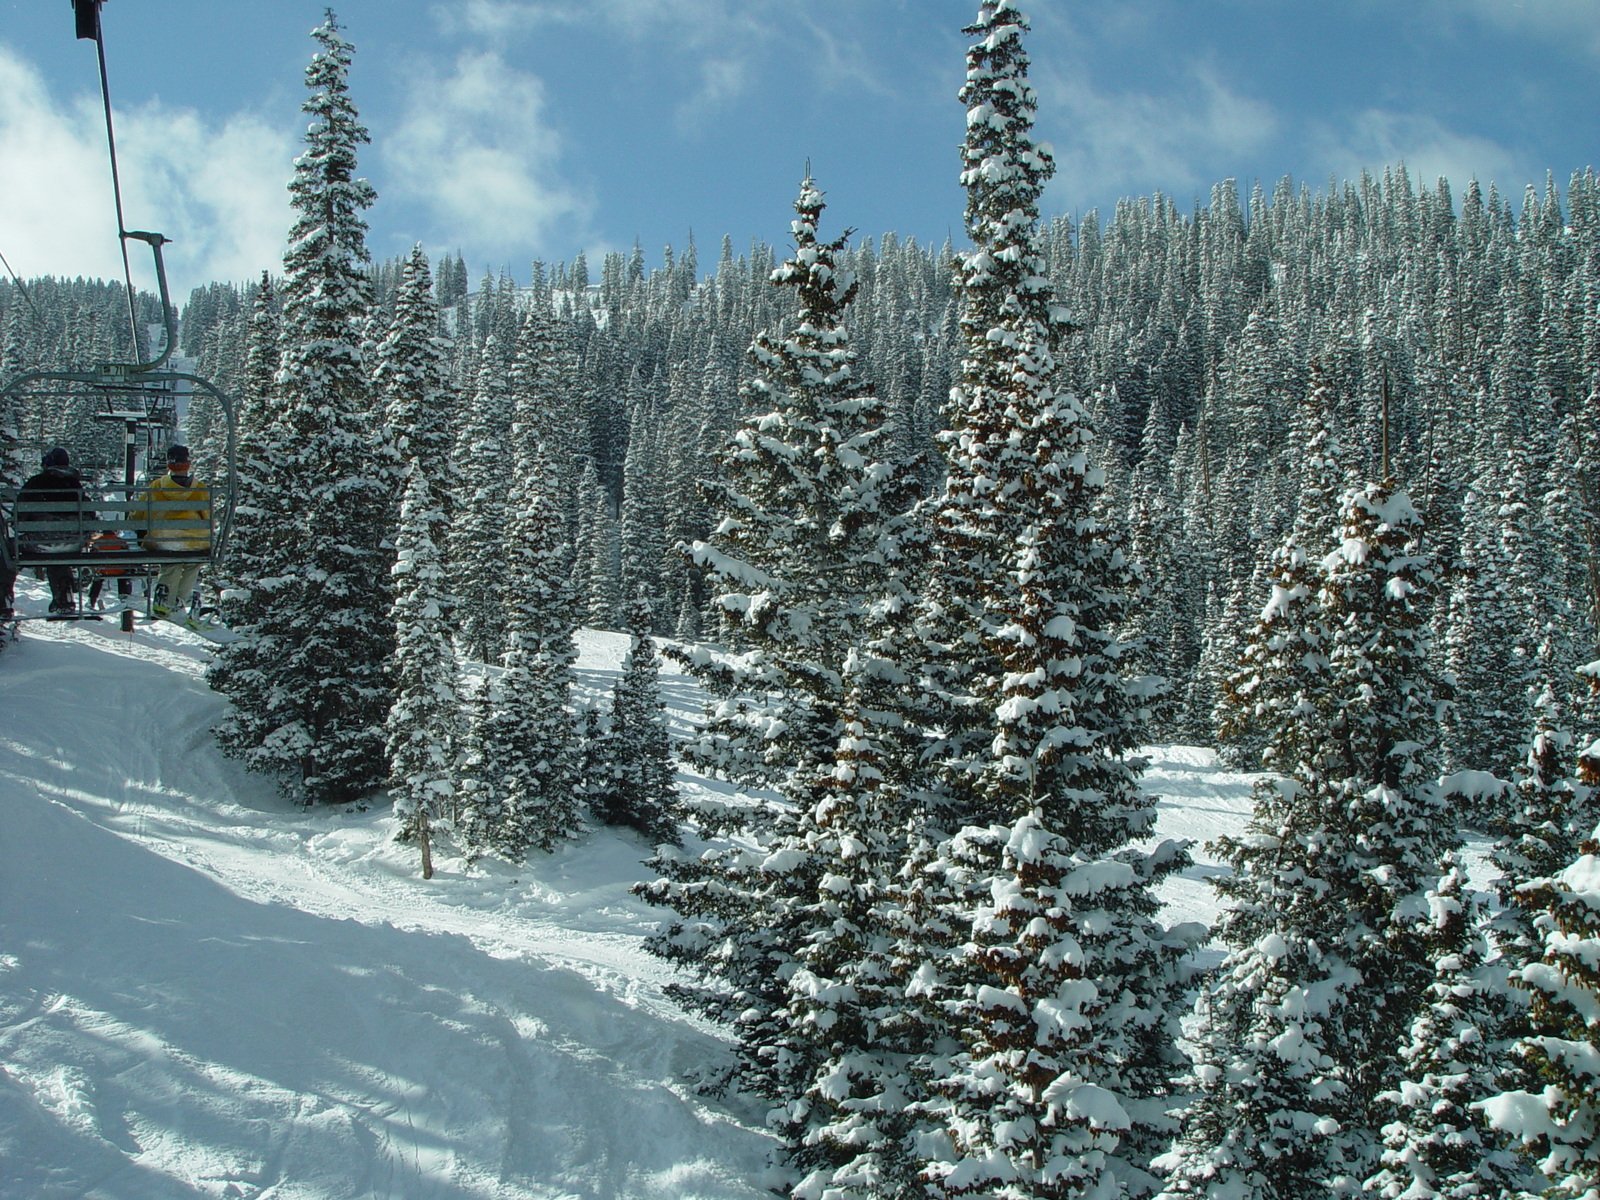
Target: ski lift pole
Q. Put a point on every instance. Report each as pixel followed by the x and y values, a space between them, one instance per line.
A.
pixel 86 14
pixel 170 333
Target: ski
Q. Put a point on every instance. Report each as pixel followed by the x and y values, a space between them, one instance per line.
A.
pixel 217 635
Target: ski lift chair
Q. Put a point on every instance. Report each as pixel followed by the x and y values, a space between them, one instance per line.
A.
pixel 141 396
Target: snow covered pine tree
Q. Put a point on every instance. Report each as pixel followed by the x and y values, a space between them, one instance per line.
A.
pixel 312 709
pixel 1326 919
pixel 424 721
pixel 1560 1123
pixel 781 925
pixel 1061 986
pixel 639 788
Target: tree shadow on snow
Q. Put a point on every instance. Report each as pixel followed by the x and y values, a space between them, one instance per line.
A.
pixel 165 1037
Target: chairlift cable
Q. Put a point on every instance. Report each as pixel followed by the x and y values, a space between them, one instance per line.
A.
pixel 116 182
pixel 20 286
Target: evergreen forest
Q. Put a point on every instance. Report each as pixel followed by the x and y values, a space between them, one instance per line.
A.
pixel 1308 474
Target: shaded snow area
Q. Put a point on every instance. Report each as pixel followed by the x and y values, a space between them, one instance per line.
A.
pixel 208 991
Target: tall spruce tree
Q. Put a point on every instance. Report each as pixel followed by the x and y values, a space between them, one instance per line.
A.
pixel 260 551
pixel 801 500
pixel 1482 726
pixel 1549 820
pixel 533 746
pixel 316 714
pixel 850 1119
pixel 1061 986
pixel 1559 1122
pixel 1283 667
pixel 1156 623
pixel 804 563
pixel 423 721
pixel 1551 814
pixel 411 374
pixel 1328 958
pixel 642 515
pixel 1440 1145
pixel 640 788
pixel 477 545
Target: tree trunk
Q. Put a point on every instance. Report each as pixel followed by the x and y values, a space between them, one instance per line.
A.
pixel 422 841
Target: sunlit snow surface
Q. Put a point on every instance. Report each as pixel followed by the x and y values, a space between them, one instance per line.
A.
pixel 206 991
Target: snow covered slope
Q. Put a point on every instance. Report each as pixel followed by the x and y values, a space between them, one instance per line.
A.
pixel 207 991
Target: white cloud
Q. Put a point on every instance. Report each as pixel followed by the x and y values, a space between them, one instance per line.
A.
pixel 1375 139
pixel 1112 143
pixel 475 149
pixel 699 22
pixel 1574 24
pixel 226 189
pixel 722 81
pixel 720 44
pixel 491 18
pixel 216 190
pixel 55 207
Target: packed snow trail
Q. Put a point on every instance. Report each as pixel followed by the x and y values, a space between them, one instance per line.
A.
pixel 205 991
pixel 1197 799
pixel 159 1029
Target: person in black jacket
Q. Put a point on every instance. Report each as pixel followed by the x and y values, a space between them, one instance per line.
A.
pixel 57 482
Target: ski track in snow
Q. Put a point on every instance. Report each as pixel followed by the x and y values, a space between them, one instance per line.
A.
pixel 206 991
pixel 1197 798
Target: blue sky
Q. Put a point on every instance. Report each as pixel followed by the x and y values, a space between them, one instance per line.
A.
pixel 520 129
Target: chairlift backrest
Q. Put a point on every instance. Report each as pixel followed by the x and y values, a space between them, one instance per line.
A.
pixel 45 531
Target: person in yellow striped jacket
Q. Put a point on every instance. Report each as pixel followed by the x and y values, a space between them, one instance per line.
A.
pixel 178 486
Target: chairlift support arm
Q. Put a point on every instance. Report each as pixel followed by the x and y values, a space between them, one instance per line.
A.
pixel 86 14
